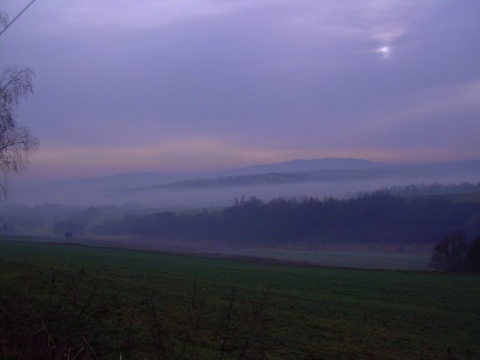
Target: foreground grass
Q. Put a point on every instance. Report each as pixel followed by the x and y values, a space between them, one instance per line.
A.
pixel 418 261
pixel 66 301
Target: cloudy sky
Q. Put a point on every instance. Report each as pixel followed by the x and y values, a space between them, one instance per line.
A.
pixel 184 86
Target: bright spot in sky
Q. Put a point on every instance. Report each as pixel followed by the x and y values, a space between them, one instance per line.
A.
pixel 385 51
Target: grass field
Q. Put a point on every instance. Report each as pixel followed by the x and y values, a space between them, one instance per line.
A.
pixel 413 261
pixel 62 301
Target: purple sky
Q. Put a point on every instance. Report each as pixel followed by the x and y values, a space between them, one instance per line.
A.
pixel 184 86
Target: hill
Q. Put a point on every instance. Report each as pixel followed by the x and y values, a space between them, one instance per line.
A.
pixel 319 177
pixel 301 165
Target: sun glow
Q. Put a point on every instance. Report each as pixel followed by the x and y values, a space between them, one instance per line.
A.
pixel 384 51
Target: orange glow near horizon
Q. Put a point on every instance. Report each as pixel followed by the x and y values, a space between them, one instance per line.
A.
pixel 198 156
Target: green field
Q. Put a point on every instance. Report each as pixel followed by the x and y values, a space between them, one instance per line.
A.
pixel 99 303
pixel 413 261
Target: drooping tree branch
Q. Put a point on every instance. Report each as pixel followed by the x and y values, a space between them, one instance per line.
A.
pixel 14 84
pixel 17 143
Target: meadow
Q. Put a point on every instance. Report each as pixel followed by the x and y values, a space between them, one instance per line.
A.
pixel 360 257
pixel 80 302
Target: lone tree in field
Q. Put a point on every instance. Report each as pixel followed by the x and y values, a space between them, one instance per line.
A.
pixel 17 143
pixel 450 252
pixel 65 227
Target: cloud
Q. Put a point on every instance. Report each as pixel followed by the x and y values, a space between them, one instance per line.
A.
pixel 182 155
pixel 145 13
pixel 176 155
pixel 168 85
pixel 431 105
pixel 436 123
pixel 380 20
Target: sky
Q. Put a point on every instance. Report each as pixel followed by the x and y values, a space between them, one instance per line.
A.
pixel 193 86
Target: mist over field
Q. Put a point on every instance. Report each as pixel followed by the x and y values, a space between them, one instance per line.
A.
pixel 325 211
pixel 315 178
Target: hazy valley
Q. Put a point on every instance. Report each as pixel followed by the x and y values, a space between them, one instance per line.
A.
pixel 298 178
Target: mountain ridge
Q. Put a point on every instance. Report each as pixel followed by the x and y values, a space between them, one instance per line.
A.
pixel 320 170
pixel 304 165
pixel 318 177
pixel 147 179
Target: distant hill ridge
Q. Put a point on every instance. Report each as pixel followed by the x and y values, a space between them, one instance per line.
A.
pixel 292 166
pixel 318 170
pixel 300 165
pixel 317 177
pixel 288 172
pixel 293 171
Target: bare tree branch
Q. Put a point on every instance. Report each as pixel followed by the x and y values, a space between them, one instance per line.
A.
pixel 17 143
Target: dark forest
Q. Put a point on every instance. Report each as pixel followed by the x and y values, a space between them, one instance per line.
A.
pixel 377 217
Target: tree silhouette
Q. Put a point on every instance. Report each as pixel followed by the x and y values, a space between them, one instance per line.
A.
pixel 473 255
pixel 449 253
pixel 17 143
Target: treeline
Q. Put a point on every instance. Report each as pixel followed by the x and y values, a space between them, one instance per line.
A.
pixel 376 217
pixel 434 189
pixel 454 253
